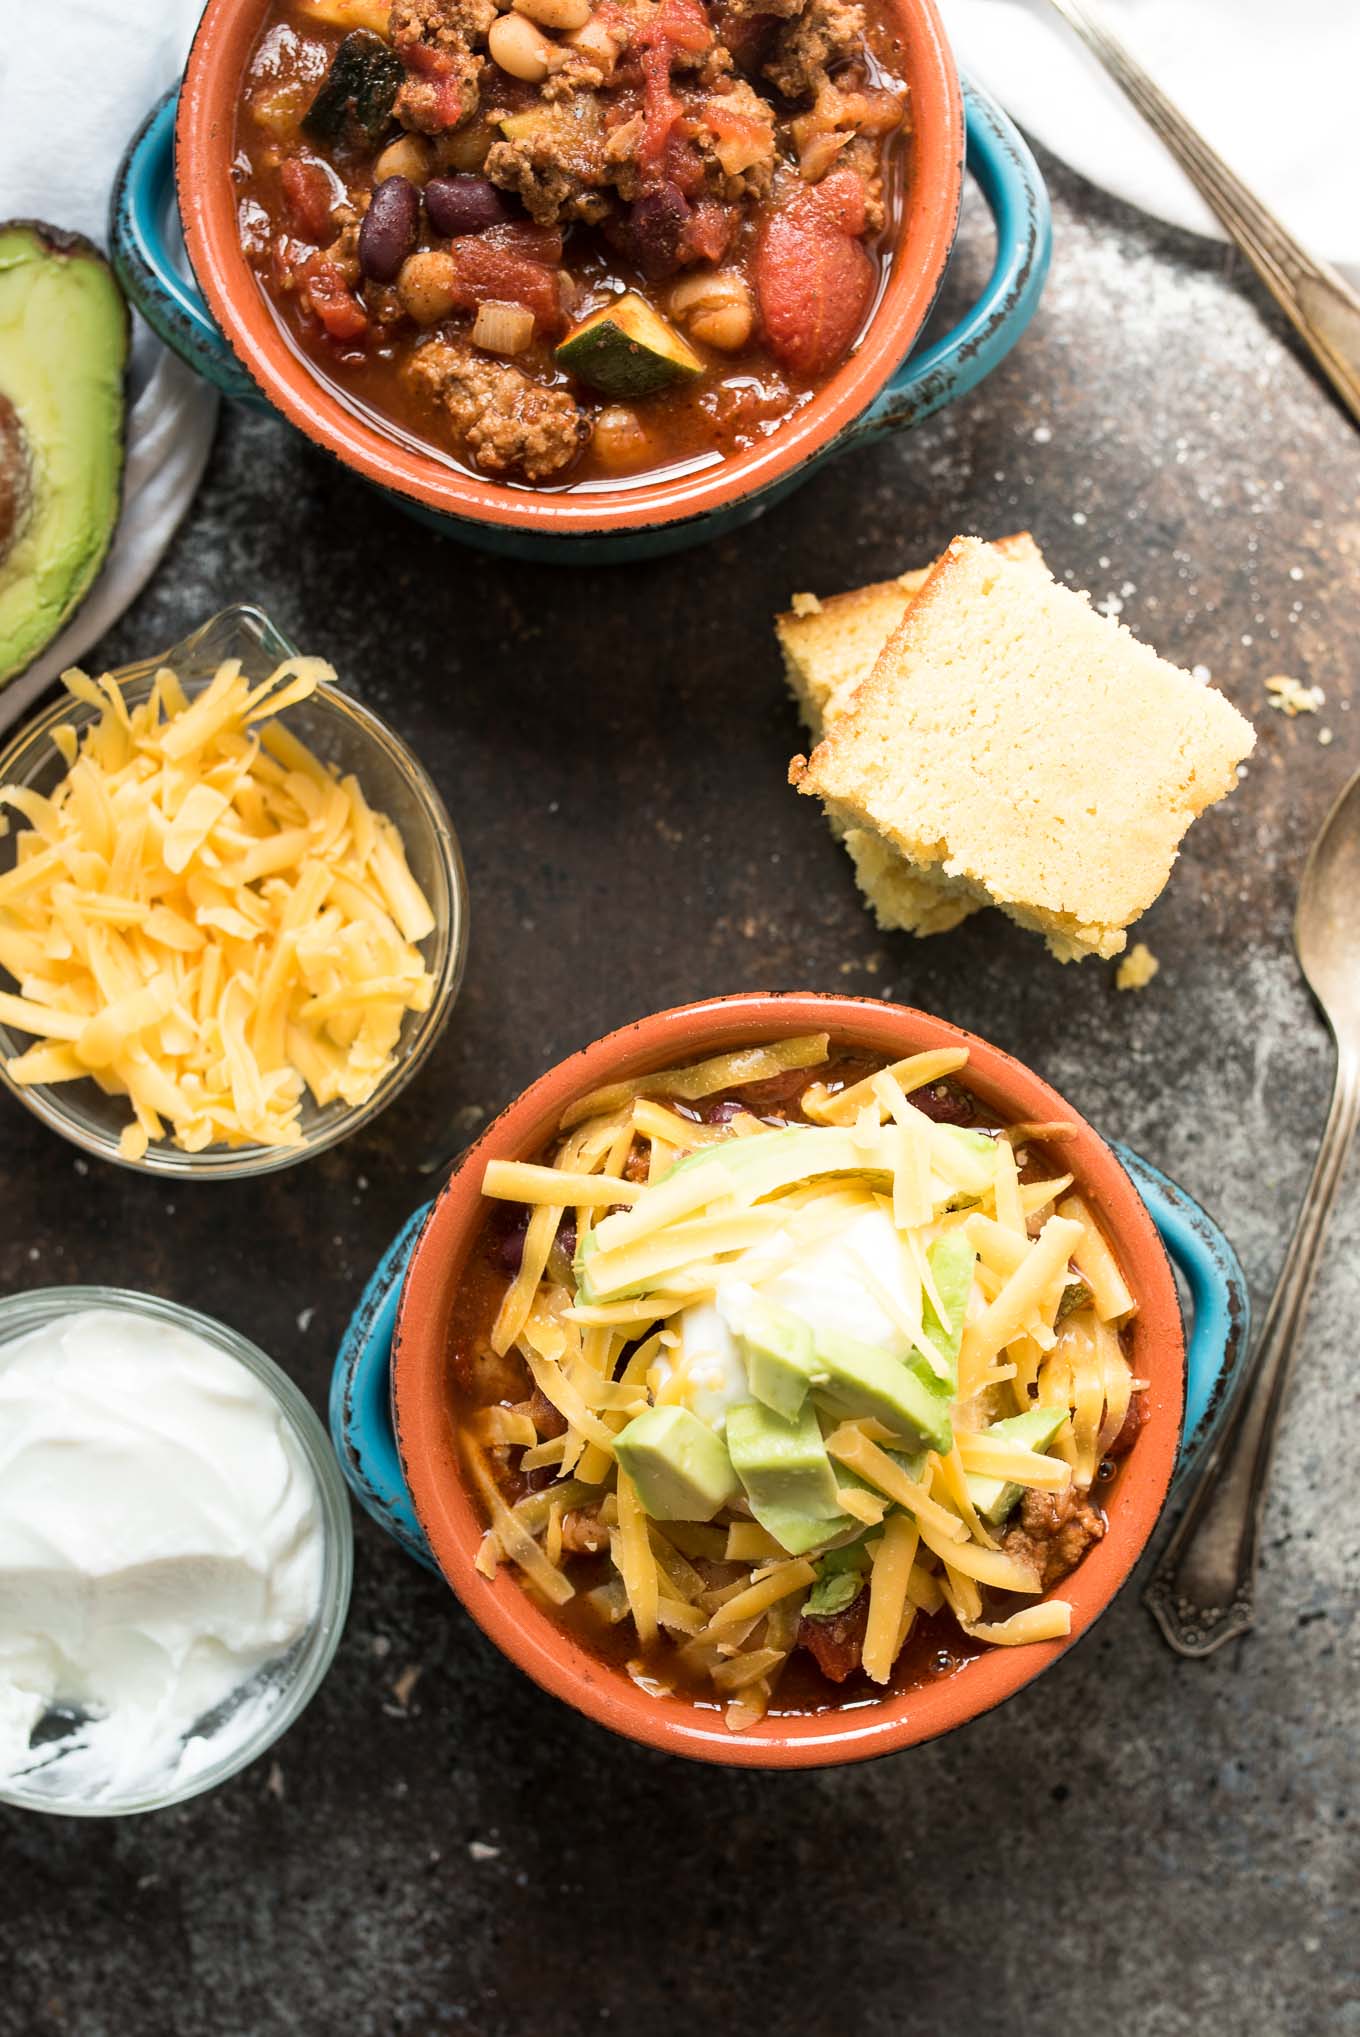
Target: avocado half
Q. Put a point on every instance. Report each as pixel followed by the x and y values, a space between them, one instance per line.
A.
pixel 64 333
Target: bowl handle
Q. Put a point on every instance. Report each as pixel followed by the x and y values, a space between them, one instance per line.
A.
pixel 1014 190
pixel 143 227
pixel 361 1396
pixel 361 1400
pixel 1220 1303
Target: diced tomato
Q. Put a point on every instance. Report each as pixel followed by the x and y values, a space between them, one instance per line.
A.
pixel 813 279
pixel 341 315
pixel 501 274
pixel 523 237
pixel 660 107
pixel 309 196
pixel 708 232
pixel 676 25
pixel 437 68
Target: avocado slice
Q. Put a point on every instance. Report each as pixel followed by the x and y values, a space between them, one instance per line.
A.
pixel 1034 1429
pixel 787 1474
pixel 679 1465
pixel 781 1363
pixel 627 349
pixel 951 1260
pixel 63 351
pixel 863 1381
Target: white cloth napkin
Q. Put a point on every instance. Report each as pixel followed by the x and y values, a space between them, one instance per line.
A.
pixel 72 93
pixel 1272 87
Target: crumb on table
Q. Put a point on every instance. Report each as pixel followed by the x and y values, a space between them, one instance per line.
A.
pixel 1292 697
pixel 1137 969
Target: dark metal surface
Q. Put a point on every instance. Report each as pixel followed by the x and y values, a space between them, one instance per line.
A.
pixel 1136 1843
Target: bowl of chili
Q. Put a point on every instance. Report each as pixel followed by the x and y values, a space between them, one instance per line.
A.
pixel 604 315
pixel 458 1273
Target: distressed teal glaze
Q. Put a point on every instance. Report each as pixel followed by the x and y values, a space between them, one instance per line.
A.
pixel 143 230
pixel 361 1399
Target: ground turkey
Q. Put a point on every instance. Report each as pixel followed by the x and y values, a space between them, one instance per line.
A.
pixel 505 420
pixel 560 168
pixel 823 35
pixel 1053 1531
pixel 739 162
pixel 434 40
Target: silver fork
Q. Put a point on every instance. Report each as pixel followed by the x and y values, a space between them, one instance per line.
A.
pixel 1319 303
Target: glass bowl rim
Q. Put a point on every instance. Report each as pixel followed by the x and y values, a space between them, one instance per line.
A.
pixel 33 1308
pixel 232 1163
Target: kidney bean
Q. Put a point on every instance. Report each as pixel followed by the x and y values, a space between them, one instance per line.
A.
pixel 389 229
pixel 655 224
pixel 457 205
pixel 947 1102
pixel 510 1248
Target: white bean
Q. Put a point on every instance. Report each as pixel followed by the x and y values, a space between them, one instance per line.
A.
pixel 559 14
pixel 520 50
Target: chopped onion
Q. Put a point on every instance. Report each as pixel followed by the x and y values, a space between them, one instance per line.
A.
pixel 503 328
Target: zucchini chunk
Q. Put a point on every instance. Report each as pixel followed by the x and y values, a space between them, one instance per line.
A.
pixel 627 349
pixel 361 86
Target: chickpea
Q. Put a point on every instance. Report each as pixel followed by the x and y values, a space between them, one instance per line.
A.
pixel 620 439
pixel 427 285
pixel 520 49
pixel 466 149
pixel 559 14
pixel 408 156
pixel 716 308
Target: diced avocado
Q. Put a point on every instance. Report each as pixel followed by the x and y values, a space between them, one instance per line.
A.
pixel 1032 1430
pixel 627 349
pixel 797 1533
pixel 786 1473
pixel 1074 1296
pixel 361 87
pixel 832 1594
pixel 863 1381
pixel 780 1361
pixel 63 350
pixel 951 1260
pixel 679 1465
pixel 849 1556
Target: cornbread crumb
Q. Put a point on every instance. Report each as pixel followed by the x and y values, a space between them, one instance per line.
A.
pixel 1324 736
pixel 1015 747
pixel 805 604
pixel 1292 697
pixel 1137 968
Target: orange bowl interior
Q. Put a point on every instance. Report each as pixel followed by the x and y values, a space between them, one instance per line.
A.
pixel 205 144
pixel 515 1621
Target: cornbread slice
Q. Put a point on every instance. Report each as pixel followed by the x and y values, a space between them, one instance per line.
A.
pixel 1027 751
pixel 830 646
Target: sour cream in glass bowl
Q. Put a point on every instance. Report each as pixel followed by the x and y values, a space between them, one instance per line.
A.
pixel 175 1552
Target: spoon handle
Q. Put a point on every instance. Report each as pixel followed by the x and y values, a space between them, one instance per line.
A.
pixel 1318 302
pixel 1202 1592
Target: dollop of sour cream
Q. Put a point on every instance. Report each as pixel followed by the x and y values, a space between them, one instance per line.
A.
pixel 833 1284
pixel 161 1544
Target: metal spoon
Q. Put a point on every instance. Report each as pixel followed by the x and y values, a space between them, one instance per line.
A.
pixel 1202 1592
pixel 1318 302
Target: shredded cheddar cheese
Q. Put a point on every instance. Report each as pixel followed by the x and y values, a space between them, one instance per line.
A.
pixel 206 918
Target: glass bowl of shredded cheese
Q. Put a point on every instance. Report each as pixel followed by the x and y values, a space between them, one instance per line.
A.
pixel 233 914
